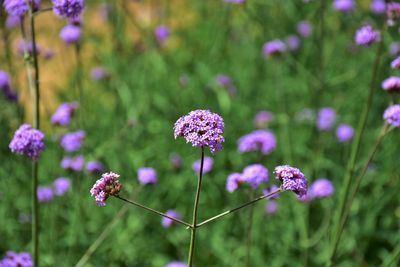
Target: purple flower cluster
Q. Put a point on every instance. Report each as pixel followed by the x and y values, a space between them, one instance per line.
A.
pixel 13 259
pixel 202 128
pixel 68 8
pixel 344 133
pixel 326 118
pixel 176 264
pixel 395 64
pixel 274 48
pixel 344 6
pixel 162 34
pixel 61 186
pixel 75 164
pixel 271 208
pixel 207 166
pixel 63 114
pixel 13 21
pixel 393 13
pixel 99 74
pixel 391 84
pixel 233 181
pixel 70 34
pixel 304 29
pixel 166 223
pixel 44 194
pixel 73 141
pixel 255 175
pixel 5 87
pixel 292 42
pixel 366 36
pixel 292 179
pixel 147 176
pixel 273 188
pixel 28 141
pixel 321 188
pixel 392 115
pixel 378 6
pixel 107 185
pixel 394 49
pixel 94 167
pixel 19 8
pixel 260 140
pixel 262 119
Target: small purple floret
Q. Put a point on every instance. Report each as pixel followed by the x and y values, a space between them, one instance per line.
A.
pixel 147 176
pixel 255 175
pixel 107 185
pixel 392 115
pixel 292 179
pixel 261 140
pixel 28 141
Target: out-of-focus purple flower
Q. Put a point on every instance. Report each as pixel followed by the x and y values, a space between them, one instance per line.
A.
pixel 366 36
pixel 392 115
pixel 147 176
pixel 270 190
pixel 202 128
pixel 378 6
pixel 70 34
pixel 271 208
pixel 394 49
pixel 292 179
pixel 27 141
pixel 94 167
pixel 75 164
pixel 162 34
pixel 395 64
pixel 237 2
pixel 4 81
pixel 73 141
pixel 61 186
pixel 344 133
pixel 176 161
pixel 76 21
pixel 13 259
pixel 68 8
pixel 255 175
pixel 48 53
pixel 225 82
pixel 274 48
pixel 13 22
pixel 45 194
pixel 326 119
pixel 261 140
pixel 166 223
pixel 63 114
pixel 262 119
pixel 321 188
pixel 304 28
pixel 207 167
pixel 392 13
pixel 20 7
pixel 391 84
pixel 293 42
pixel 307 197
pixel 344 6
pixel 107 185
pixel 233 181
pixel 176 264
pixel 27 47
pixel 99 74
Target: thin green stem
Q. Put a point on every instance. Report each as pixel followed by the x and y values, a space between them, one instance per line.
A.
pixel 78 81
pixel 249 232
pixel 195 211
pixel 223 214
pixel 390 260
pixel 154 211
pixel 336 234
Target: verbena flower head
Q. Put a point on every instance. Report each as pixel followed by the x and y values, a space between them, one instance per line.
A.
pixel 162 34
pixel 176 264
pixel 4 81
pixel 255 175
pixel 27 47
pixel 392 115
pixel 166 223
pixel 28 141
pixel 61 186
pixel 262 119
pixel 70 34
pixel 261 140
pixel 20 7
pixel 94 167
pixel 68 8
pixel 147 176
pixel 395 64
pixel 233 181
pixel 73 141
pixel 273 188
pixel 293 42
pixel 271 208
pixel 393 13
pixel 274 48
pixel 107 185
pixel 292 179
pixel 391 84
pixel 378 6
pixel 49 53
pixel 13 22
pixel 223 80
pixel 99 74
pixel 321 188
pixel 202 128
pixel 75 164
pixel 63 114
pixel 45 194
pixel 13 259
pixel 366 36
pixel 344 133
pixel 344 6
pixel 207 166
pixel 326 118
pixel 304 29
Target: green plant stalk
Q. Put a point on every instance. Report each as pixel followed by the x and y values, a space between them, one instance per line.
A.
pixel 195 212
pixel 223 214
pixel 392 258
pixel 353 156
pixel 78 81
pixel 249 231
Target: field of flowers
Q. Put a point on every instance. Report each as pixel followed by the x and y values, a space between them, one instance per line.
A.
pixel 199 133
